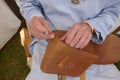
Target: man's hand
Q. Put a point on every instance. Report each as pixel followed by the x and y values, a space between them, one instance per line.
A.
pixel 78 36
pixel 39 27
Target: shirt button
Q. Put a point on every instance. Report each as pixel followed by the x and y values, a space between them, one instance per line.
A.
pixel 75 1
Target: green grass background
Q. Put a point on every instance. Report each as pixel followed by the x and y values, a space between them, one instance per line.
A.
pixel 13 61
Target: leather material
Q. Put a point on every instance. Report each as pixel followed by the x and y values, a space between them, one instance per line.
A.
pixel 62 59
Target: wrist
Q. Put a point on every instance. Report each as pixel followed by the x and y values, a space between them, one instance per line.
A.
pixel 91 27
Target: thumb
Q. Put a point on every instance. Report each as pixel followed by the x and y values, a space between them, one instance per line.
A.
pixel 63 38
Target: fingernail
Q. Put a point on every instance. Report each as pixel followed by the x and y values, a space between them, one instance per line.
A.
pixel 81 47
pixel 61 39
pixel 52 35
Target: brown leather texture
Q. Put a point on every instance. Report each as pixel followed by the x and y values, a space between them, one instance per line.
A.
pixel 62 59
pixel 109 51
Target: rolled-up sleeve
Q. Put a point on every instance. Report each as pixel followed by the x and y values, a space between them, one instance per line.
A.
pixel 105 20
pixel 30 8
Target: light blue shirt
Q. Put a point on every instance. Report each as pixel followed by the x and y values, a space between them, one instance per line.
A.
pixel 62 14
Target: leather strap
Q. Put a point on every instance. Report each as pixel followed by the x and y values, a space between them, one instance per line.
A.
pixel 62 77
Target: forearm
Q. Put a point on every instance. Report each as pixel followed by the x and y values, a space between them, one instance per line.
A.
pixel 30 8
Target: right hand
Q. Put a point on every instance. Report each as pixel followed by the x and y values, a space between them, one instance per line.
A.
pixel 39 27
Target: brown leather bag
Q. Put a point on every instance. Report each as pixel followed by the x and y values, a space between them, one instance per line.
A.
pixel 62 59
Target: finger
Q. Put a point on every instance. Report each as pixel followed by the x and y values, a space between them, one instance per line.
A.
pixel 40 28
pixel 70 36
pixel 87 40
pixel 33 30
pixel 82 40
pixel 71 33
pixel 64 37
pixel 76 38
pixel 49 36
pixel 46 25
pixel 35 34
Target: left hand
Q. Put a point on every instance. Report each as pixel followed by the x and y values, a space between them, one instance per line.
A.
pixel 78 36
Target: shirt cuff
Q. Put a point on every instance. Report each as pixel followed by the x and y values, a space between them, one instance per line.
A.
pixel 98 35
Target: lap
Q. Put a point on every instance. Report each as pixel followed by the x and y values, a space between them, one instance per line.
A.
pixel 94 72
